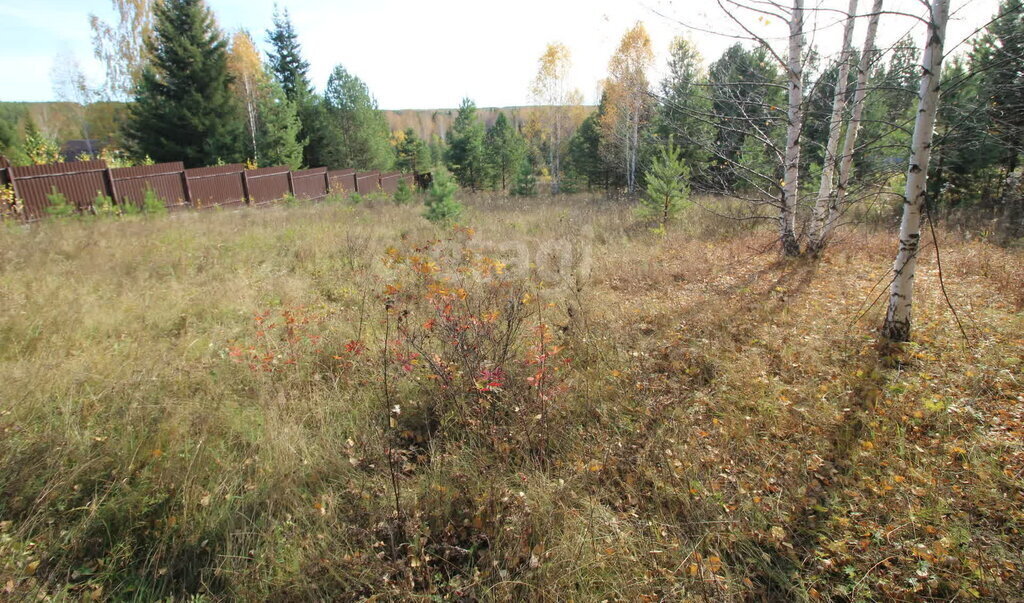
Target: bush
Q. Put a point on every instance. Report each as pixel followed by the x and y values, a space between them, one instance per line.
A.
pixel 10 205
pixel 442 208
pixel 103 205
pixel 355 199
pixel 59 206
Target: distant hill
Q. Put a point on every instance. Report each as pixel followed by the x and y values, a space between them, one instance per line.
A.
pixel 427 122
pixel 65 120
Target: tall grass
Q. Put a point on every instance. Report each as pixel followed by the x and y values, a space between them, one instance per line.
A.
pixel 340 402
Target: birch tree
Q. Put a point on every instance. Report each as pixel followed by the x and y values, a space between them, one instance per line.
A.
pixel 70 85
pixel 795 120
pixel 560 105
pixel 897 319
pixel 792 65
pixel 835 125
pixel 629 104
pixel 121 46
pixel 249 76
pixel 838 200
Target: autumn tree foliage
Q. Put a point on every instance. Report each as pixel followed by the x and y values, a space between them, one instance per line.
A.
pixel 121 46
pixel 629 102
pixel 247 71
pixel 559 110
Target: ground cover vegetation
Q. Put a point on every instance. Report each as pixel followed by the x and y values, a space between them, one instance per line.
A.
pixel 552 401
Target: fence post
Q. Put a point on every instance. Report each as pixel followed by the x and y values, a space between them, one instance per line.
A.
pixel 291 184
pixel 184 186
pixel 245 187
pixel 108 179
pixel 327 185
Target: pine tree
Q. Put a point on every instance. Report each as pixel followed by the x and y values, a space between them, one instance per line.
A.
pixel 184 109
pixel 363 140
pixel 667 186
pixel 412 152
pixel 525 183
pixel 505 149
pixel 744 92
pixel 442 208
pixel 466 147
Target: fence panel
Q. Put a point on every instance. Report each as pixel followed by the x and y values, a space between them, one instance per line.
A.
pixel 389 182
pixel 367 182
pixel 409 180
pixel 342 181
pixel 310 184
pixel 267 184
pixel 216 186
pixel 79 181
pixel 165 179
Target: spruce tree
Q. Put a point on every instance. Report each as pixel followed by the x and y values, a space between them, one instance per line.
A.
pixel 290 70
pixel 184 109
pixel 285 61
pixel 466 157
pixel 278 128
pixel 584 158
pixel 681 115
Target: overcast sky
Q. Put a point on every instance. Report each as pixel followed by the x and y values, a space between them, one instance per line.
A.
pixel 422 55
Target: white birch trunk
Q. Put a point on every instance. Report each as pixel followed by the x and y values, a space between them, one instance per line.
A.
pixel 835 127
pixel 250 107
pixel 897 318
pixel 790 185
pixel 853 127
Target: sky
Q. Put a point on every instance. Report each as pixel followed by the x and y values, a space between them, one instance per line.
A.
pixel 426 55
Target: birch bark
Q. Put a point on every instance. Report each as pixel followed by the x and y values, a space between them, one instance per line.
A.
pixel 790 185
pixel 897 319
pixel 835 126
pixel 853 127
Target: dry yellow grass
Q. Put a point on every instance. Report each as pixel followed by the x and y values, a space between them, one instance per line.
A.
pixel 185 409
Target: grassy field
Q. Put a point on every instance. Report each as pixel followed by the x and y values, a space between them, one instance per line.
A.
pixel 337 402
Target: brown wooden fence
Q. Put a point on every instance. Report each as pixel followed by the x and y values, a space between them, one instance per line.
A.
pixel 82 182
